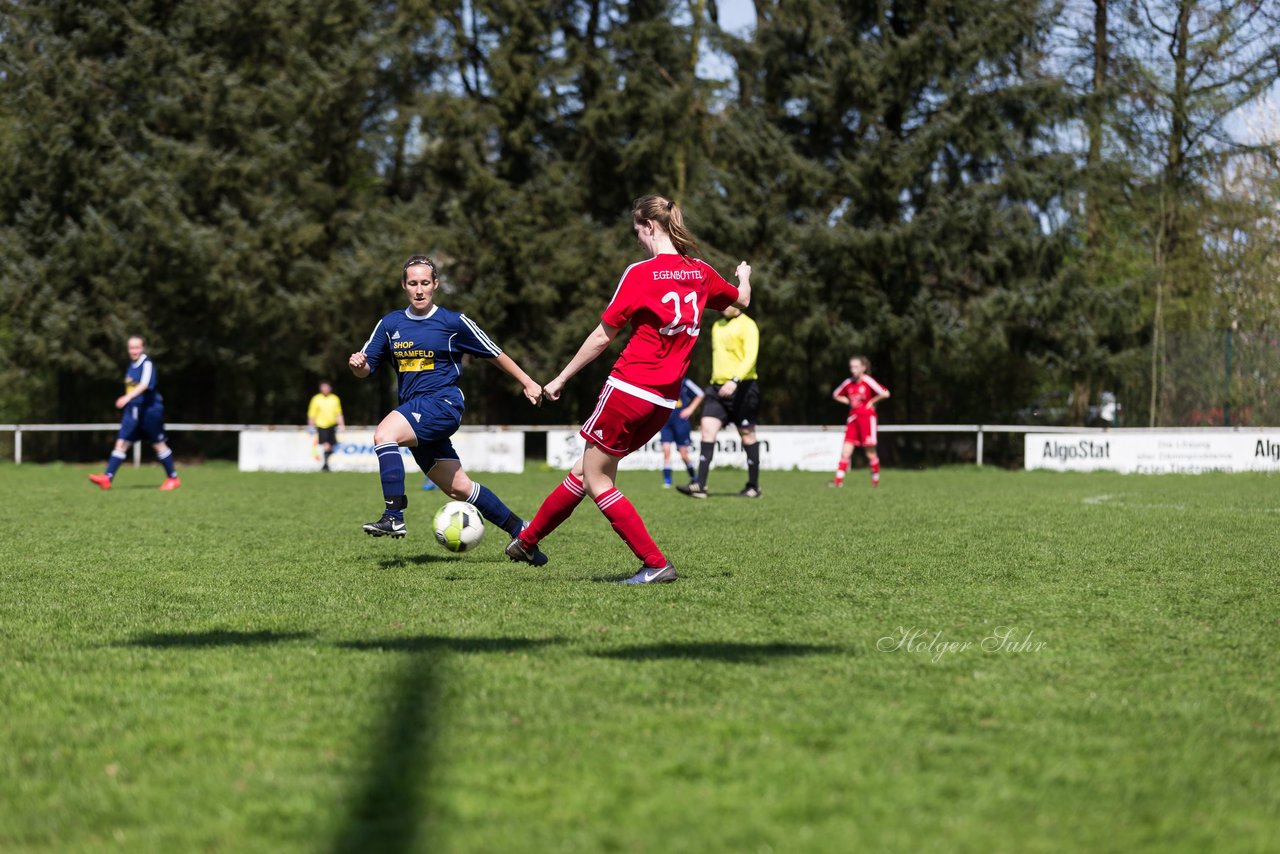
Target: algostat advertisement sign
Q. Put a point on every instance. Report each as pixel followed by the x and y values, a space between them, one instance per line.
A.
pixel 1155 452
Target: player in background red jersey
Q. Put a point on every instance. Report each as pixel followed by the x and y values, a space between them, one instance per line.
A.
pixel 662 300
pixel 861 394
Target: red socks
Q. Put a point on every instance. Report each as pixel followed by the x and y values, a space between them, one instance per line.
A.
pixel 565 498
pixel 557 507
pixel 841 469
pixel 875 472
pixel 626 521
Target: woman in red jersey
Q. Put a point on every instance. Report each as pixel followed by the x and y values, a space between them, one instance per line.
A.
pixel 662 299
pixel 861 394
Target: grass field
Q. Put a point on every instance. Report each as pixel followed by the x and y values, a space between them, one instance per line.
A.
pixel 235 667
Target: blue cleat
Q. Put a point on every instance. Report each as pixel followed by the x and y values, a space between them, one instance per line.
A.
pixel 649 575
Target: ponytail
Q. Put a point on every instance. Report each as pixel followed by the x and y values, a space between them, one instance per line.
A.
pixel 667 214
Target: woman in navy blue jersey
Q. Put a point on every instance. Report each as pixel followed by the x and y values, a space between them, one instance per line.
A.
pixel 424 344
pixel 142 418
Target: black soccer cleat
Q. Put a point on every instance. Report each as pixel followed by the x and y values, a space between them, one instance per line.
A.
pixel 693 490
pixel 520 553
pixel 749 491
pixel 387 526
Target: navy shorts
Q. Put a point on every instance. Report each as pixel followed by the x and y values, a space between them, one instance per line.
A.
pixel 676 430
pixel 433 421
pixel 427 454
pixel 143 423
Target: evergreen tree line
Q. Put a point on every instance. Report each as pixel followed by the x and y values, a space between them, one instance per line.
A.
pixel 998 201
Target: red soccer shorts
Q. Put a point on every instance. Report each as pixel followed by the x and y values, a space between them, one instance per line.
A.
pixel 860 429
pixel 623 422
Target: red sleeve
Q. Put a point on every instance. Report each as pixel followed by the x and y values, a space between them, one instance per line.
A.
pixel 720 294
pixel 840 389
pixel 624 302
pixel 873 385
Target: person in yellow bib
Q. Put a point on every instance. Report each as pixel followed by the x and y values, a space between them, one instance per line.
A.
pixel 732 398
pixel 324 417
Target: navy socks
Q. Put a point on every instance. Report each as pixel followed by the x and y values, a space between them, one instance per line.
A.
pixel 391 470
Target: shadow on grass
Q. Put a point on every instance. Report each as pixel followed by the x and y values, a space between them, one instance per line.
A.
pixel 215 638
pixel 727 653
pixel 413 560
pixel 439 643
pixel 390 807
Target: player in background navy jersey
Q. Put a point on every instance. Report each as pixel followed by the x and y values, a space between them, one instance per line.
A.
pixel 676 431
pixel 424 345
pixel 142 418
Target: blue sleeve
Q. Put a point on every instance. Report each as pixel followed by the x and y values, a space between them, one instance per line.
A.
pixel 691 390
pixel 472 339
pixel 376 348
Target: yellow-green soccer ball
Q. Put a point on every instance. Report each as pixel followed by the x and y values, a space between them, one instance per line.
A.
pixel 459 526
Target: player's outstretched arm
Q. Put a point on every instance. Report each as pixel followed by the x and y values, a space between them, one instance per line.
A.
pixel 595 344
pixel 744 286
pixel 532 391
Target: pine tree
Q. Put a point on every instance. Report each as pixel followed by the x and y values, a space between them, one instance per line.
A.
pixel 896 160
pixel 185 171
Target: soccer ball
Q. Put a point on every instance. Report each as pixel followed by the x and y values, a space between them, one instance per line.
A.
pixel 459 526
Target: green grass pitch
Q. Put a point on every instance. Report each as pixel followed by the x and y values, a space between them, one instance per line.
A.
pixel 963 660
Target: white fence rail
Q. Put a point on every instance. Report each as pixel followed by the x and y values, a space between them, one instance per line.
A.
pixel 977 430
pixel 112 427
pixel 1264 450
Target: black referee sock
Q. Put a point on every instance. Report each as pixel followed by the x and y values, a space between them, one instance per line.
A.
pixel 708 450
pixel 753 464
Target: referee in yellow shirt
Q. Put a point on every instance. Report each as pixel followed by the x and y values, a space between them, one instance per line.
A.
pixel 324 417
pixel 732 398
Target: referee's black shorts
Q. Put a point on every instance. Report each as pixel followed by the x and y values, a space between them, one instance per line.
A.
pixel 327 435
pixel 742 409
